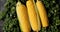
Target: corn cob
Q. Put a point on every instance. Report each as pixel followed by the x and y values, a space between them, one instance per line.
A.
pixel 23 17
pixel 32 15
pixel 43 14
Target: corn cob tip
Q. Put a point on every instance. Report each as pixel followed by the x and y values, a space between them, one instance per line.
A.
pixel 18 3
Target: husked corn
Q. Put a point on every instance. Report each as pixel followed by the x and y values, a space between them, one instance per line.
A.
pixel 22 15
pixel 43 14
